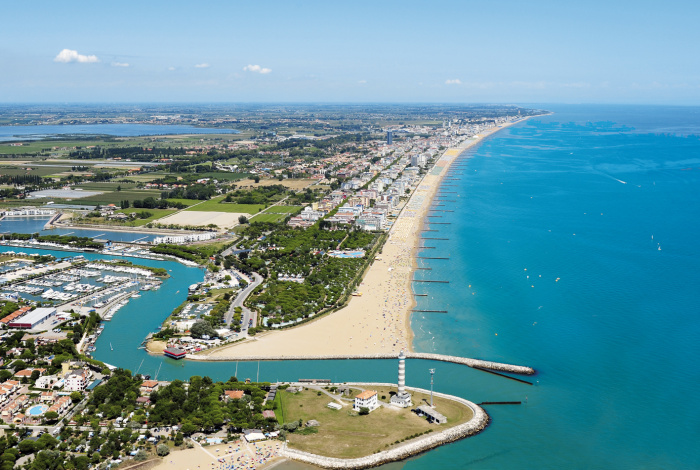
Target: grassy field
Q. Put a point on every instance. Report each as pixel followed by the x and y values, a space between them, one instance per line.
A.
pixel 283 210
pixel 140 178
pixel 288 183
pixel 276 213
pixel 38 146
pixel 106 186
pixel 187 202
pixel 7 203
pixel 35 170
pixel 345 434
pixel 157 214
pixel 115 197
pixel 268 217
pixel 223 175
pixel 215 205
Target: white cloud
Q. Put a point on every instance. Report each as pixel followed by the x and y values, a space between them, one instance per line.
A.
pixel 453 81
pixel 68 55
pixel 362 82
pixel 256 69
pixel 202 66
pixel 119 64
pixel 171 68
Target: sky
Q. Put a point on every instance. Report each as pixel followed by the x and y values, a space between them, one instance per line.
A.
pixel 464 51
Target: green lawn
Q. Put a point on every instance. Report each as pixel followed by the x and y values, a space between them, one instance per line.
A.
pixel 345 434
pixel 265 217
pixel 283 209
pixel 215 205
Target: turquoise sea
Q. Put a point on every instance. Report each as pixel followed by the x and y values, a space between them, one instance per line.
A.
pixel 574 196
pixel 573 248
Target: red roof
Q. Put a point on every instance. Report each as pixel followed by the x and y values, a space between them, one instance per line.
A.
pixel 234 394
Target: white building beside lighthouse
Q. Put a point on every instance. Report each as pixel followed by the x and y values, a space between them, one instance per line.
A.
pixel 402 397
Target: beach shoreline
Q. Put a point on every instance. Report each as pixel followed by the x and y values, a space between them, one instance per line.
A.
pixel 378 320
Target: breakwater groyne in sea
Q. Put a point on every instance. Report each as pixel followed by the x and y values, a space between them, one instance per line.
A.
pixel 475 363
pixel 475 425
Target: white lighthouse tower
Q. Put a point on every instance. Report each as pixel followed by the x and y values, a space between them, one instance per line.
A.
pixel 402 397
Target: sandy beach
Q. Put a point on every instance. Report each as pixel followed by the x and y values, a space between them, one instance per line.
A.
pixel 379 320
pixel 236 455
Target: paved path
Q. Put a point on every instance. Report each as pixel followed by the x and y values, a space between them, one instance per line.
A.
pixel 238 302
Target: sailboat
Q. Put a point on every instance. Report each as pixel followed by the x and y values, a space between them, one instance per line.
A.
pixel 110 347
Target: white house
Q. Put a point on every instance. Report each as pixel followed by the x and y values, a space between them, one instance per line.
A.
pixel 77 380
pixel 366 399
pixel 46 381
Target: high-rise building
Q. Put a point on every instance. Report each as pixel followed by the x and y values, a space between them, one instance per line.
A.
pixel 389 137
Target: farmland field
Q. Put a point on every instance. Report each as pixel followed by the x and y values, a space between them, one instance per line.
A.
pixel 35 170
pixel 115 197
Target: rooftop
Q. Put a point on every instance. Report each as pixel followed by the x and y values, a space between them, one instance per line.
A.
pixel 366 394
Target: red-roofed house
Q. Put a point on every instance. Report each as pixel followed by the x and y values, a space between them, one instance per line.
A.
pixel 233 395
pixel 366 399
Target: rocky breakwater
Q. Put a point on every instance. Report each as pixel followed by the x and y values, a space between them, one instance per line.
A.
pixel 475 425
pixel 515 369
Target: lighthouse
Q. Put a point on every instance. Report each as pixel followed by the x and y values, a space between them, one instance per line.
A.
pixel 402 397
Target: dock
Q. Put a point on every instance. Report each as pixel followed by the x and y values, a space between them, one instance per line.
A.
pixel 501 375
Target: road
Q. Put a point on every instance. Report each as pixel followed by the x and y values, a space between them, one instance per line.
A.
pixel 238 302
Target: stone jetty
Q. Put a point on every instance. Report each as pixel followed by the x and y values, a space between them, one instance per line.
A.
pixel 514 369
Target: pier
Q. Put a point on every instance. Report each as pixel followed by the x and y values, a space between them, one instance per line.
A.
pixel 53 219
pixel 474 363
pixel 428 257
pixel 433 238
pixel 440 223
pixel 501 375
pixel 428 311
pixel 425 269
pixel 425 280
pixel 500 403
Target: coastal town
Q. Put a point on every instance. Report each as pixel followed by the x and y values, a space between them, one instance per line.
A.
pixel 298 236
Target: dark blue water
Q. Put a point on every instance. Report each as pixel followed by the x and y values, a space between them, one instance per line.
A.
pixel 8 133
pixel 36 225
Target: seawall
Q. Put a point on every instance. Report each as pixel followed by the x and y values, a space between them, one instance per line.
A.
pixel 515 369
pixel 416 446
